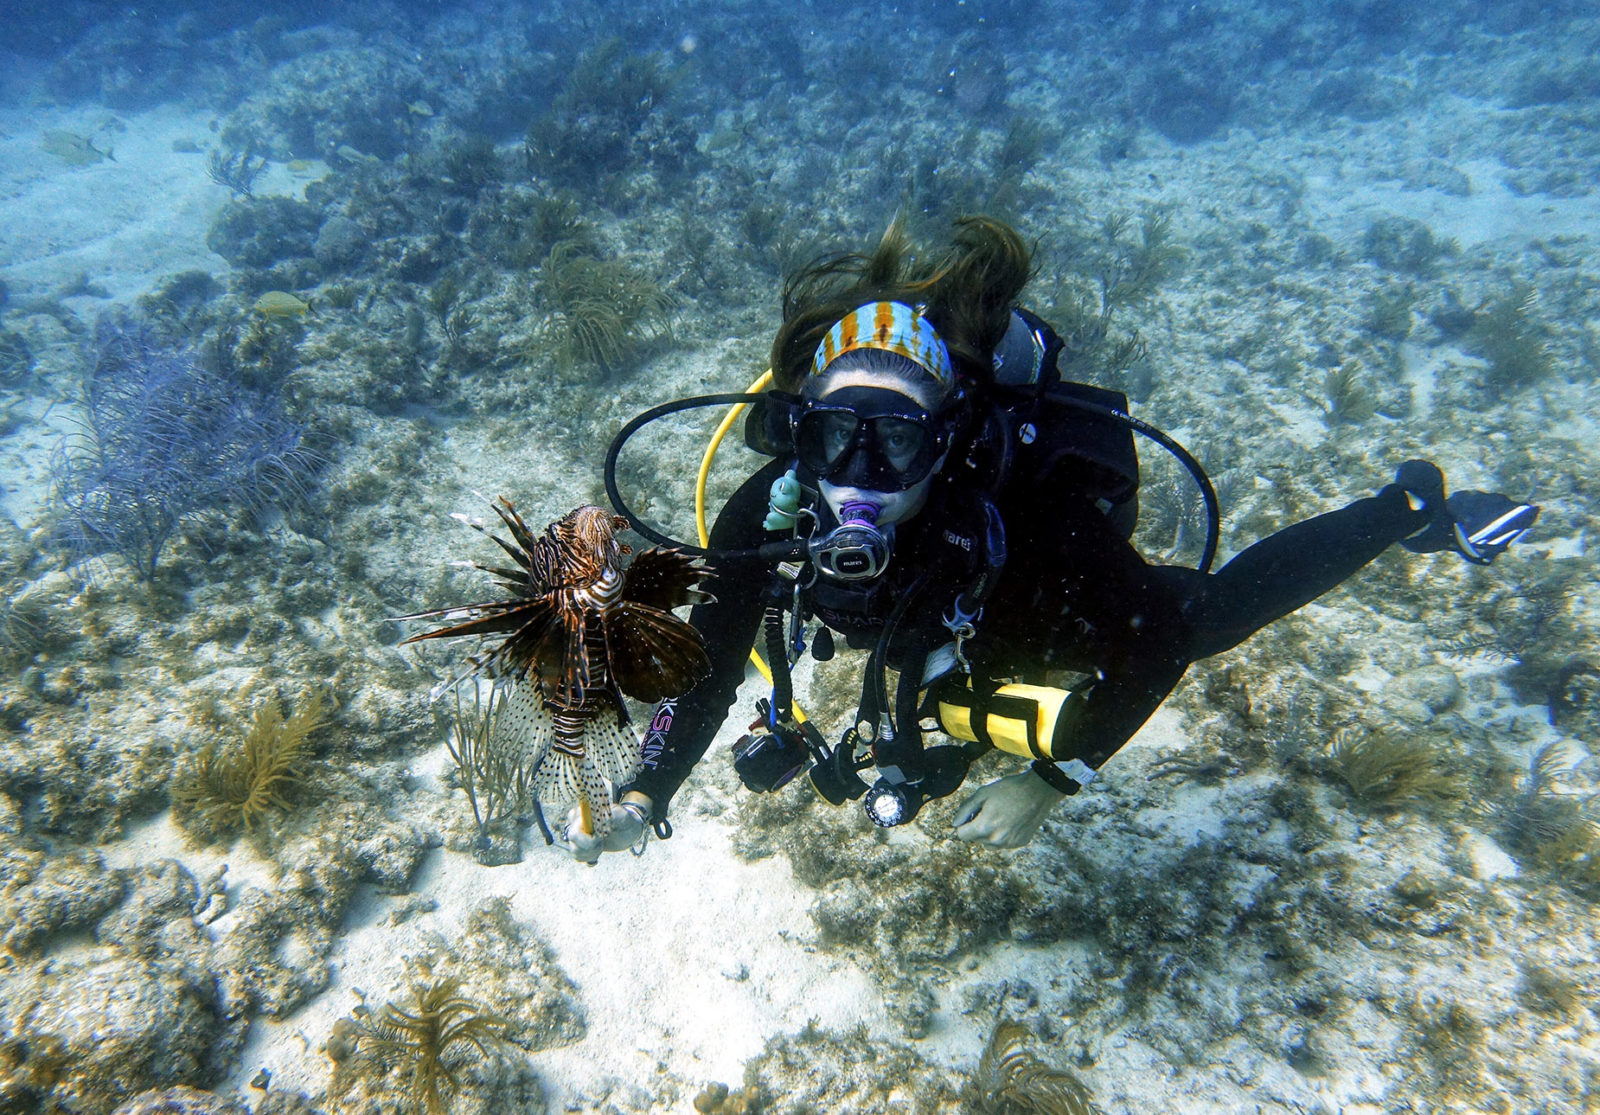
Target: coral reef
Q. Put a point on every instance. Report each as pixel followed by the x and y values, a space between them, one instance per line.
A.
pixel 472 1006
pixel 602 120
pixel 1270 898
pixel 489 769
pixel 818 1069
pixel 238 171
pixel 1508 336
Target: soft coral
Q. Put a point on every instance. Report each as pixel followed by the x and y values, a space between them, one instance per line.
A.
pixel 164 438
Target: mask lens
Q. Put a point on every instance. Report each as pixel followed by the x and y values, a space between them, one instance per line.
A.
pixel 886 453
pixel 823 438
pixel 900 442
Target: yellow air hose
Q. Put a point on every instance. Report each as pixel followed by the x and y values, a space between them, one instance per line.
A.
pixel 704 535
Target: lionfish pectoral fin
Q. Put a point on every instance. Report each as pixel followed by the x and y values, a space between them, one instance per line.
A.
pixel 665 579
pixel 492 617
pixel 654 654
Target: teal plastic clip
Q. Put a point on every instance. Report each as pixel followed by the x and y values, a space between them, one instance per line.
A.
pixel 783 503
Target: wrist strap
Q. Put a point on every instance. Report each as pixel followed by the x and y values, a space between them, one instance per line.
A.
pixel 1058 779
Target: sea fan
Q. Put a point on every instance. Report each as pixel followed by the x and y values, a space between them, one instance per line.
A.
pixel 162 439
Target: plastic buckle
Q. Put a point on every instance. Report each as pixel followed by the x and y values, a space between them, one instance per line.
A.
pixel 962 626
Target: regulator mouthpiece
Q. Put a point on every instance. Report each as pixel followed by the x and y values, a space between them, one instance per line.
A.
pixel 855 550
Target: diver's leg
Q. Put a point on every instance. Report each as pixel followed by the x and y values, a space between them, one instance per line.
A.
pixel 1298 564
pixel 1293 567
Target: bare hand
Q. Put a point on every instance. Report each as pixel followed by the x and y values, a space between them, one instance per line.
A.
pixel 1007 812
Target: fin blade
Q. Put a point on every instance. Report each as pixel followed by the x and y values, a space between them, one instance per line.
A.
pixel 665 579
pixel 654 654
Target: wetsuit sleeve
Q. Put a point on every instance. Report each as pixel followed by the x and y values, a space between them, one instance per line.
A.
pixel 682 728
pixel 1077 596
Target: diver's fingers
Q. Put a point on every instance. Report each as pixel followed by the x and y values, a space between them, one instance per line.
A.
pixel 969 810
pixel 585 847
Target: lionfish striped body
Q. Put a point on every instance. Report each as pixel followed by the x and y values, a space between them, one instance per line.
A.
pixel 578 631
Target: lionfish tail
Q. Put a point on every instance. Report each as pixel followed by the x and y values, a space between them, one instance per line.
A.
pixel 571 759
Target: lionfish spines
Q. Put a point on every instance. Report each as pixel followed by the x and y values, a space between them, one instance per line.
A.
pixel 576 622
pixel 576 632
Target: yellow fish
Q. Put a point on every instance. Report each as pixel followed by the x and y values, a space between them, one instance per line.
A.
pixel 279 303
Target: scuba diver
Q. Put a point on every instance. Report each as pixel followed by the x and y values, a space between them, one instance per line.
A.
pixel 940 497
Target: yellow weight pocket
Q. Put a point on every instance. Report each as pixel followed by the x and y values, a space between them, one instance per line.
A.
pixel 1017 718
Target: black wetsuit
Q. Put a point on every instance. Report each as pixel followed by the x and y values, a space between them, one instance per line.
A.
pixel 1074 594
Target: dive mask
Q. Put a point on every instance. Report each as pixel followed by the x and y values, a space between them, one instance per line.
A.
pixel 869 438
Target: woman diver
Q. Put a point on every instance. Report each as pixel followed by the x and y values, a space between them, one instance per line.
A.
pixel 970 525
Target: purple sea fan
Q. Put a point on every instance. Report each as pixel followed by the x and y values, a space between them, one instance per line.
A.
pixel 163 438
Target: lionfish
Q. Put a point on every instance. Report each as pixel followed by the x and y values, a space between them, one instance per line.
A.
pixel 579 630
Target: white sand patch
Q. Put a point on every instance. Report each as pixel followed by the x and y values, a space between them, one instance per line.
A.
pixel 1491 213
pixel 127 222
pixel 160 838
pixel 25 459
pixel 686 957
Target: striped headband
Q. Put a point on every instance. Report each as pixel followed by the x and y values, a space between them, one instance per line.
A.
pixel 892 327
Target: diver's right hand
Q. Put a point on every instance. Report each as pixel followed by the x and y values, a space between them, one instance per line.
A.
pixel 627 829
pixel 1007 812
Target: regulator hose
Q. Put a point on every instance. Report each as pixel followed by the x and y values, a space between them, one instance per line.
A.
pixel 778 551
pixel 1196 469
pixel 772 551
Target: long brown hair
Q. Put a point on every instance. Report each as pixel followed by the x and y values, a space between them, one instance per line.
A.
pixel 968 291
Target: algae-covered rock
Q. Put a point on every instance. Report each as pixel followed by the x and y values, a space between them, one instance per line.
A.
pixel 275 955
pixel 1435 686
pixel 51 892
pixel 259 232
pixel 121 1025
pixel 157 895
pixel 180 1101
pixel 340 242
pixel 515 975
pixel 817 1070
